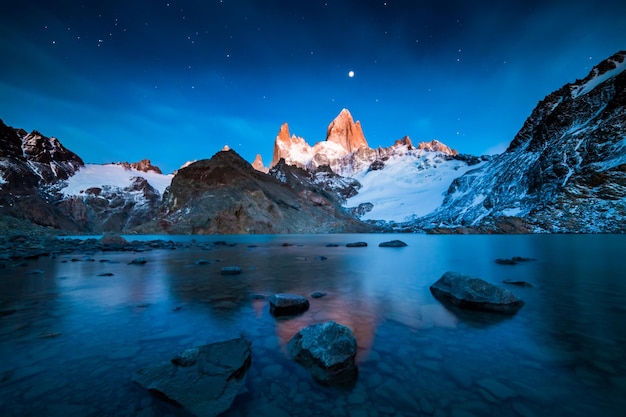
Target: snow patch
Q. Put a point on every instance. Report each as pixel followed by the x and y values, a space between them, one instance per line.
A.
pixel 408 187
pixel 110 175
pixel 512 212
pixel 599 79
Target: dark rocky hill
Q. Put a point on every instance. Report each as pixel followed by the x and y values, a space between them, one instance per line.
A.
pixel 226 195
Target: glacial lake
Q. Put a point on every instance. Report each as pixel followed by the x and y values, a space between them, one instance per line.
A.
pixel 75 338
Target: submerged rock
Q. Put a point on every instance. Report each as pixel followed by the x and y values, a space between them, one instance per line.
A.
pixel 138 261
pixel 518 283
pixel 327 350
pixel 513 261
pixel 474 294
pixel 356 245
pixel 288 304
pixel 230 270
pixel 393 244
pixel 203 380
pixel 318 294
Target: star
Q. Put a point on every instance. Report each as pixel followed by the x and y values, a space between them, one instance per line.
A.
pixel 351 74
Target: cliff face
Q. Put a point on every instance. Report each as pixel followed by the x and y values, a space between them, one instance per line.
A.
pixel 565 171
pixel 346 133
pixel 345 149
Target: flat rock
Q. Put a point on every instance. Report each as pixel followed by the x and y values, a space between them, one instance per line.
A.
pixel 392 244
pixel 230 270
pixel 327 350
pixel 356 245
pixel 288 304
pixel 203 380
pixel 474 294
pixel 318 294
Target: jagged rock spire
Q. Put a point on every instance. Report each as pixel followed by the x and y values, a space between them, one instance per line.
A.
pixel 346 132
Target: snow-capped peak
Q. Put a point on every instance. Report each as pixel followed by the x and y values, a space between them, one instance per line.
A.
pixel 607 69
pixel 112 175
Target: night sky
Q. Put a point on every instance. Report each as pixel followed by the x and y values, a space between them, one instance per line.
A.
pixel 175 81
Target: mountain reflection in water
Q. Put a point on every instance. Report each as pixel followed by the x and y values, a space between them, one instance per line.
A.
pixel 73 338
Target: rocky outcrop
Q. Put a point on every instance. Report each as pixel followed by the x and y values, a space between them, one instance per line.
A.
pixel 30 164
pixel 144 166
pixel 345 132
pixel 31 159
pixel 327 350
pixel 258 164
pixel 225 195
pixel 203 380
pixel 290 148
pixel 474 294
pixel 436 146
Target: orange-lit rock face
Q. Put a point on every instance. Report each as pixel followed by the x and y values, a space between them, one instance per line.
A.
pixel 258 164
pixel 287 146
pixel 436 146
pixel 345 132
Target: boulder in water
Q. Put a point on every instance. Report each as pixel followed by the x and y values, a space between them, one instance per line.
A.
pixel 327 350
pixel 474 294
pixel 288 304
pixel 203 380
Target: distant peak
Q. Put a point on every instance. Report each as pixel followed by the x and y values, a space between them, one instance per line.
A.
pixel 258 164
pixel 605 70
pixel 144 166
pixel 436 146
pixel 344 131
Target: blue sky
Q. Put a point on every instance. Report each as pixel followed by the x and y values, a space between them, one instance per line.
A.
pixel 175 81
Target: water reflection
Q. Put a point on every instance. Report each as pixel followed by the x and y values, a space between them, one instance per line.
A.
pixel 561 354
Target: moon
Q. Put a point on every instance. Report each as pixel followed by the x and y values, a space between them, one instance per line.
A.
pixel 351 74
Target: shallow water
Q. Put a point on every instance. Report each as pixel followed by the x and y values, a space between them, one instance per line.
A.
pixel 75 338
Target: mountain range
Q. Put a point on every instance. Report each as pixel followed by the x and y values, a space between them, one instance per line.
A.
pixel 565 171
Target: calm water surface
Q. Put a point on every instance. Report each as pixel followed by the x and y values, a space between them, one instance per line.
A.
pixel 75 338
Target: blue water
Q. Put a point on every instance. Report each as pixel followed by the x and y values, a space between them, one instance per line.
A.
pixel 75 338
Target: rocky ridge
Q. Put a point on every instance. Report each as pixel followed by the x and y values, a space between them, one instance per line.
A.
pixel 35 171
pixel 225 195
pixel 565 171
pixel 345 149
